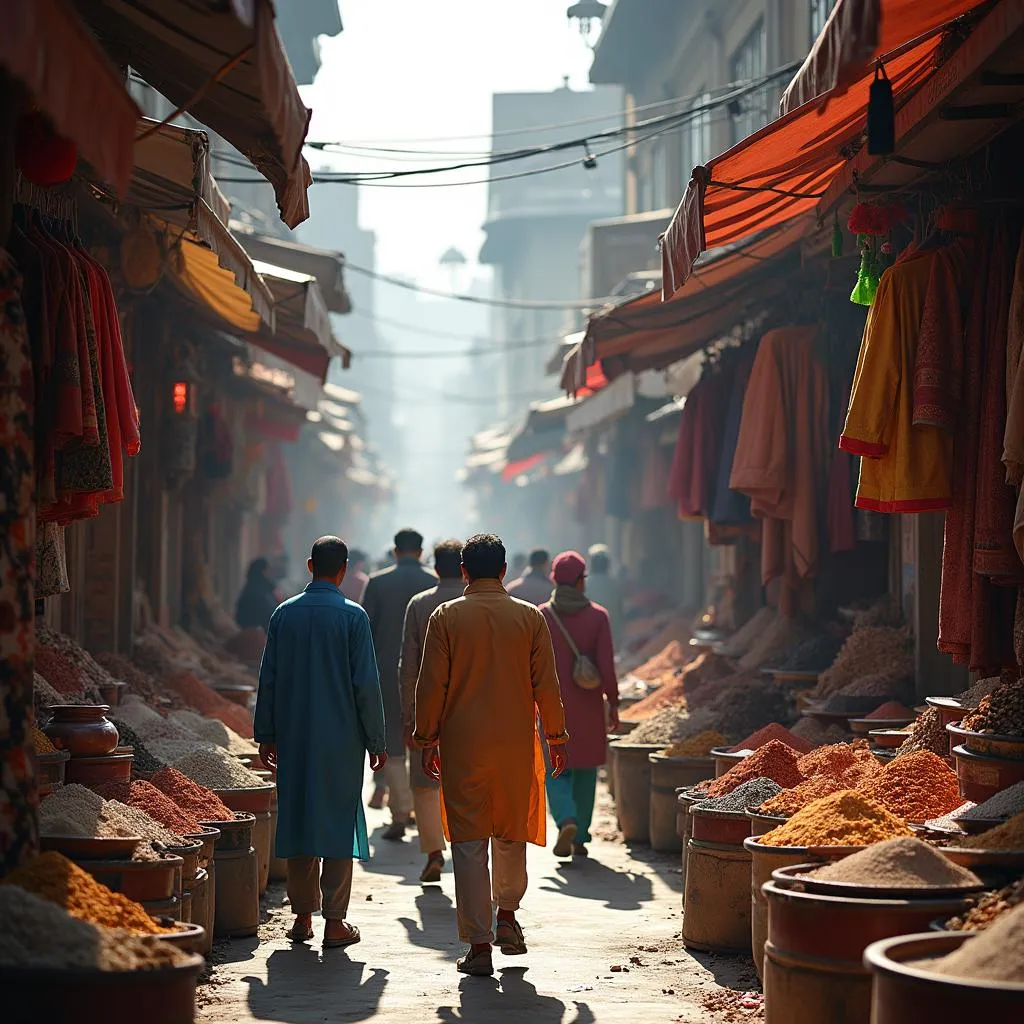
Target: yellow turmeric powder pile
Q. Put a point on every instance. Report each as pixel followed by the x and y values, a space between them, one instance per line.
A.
pixel 840 819
pixel 41 741
pixel 697 746
pixel 55 878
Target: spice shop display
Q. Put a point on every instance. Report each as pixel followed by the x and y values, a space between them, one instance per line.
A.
pixel 846 818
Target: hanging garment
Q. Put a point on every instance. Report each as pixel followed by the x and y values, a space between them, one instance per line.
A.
pixel 1013 435
pixel 782 454
pixel 904 468
pixel 51 561
pixel 976 615
pixel 729 507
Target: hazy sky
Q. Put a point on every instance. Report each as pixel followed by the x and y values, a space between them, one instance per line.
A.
pixel 405 70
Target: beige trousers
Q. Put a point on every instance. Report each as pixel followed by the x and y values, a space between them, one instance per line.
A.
pixel 427 803
pixel 307 880
pixel 475 896
pixel 395 775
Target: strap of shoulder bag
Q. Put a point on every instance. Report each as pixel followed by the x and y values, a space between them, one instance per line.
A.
pixel 568 639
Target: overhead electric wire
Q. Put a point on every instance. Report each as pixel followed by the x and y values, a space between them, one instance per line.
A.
pixel 455 353
pixel 667 121
pixel 386 321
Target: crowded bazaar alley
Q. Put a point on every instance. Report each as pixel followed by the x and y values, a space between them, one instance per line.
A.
pixel 511 512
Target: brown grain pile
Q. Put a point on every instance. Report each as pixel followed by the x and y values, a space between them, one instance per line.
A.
pixel 747 635
pixel 903 863
pixel 990 907
pixel 846 818
pixel 776 642
pixel 996 954
pixel 926 733
pixel 705 668
pixel 916 787
pixel 871 650
pixel 671 657
pixel 700 745
pixel 1001 712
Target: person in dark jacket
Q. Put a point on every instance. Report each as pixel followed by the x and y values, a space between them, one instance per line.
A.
pixel 256 602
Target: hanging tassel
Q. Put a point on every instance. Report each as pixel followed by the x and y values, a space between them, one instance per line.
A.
pixel 881 115
pixel 837 237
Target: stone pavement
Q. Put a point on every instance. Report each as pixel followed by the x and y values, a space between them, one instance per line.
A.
pixel 603 936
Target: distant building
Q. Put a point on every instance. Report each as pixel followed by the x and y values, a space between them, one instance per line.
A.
pixel 535 222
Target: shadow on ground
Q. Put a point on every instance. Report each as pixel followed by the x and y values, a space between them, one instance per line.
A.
pixel 510 996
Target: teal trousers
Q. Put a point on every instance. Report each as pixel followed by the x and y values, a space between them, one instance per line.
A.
pixel 571 798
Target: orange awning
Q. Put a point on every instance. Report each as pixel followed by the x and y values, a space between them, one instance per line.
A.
pixel 46 46
pixel 856 34
pixel 645 332
pixel 180 47
pixel 790 166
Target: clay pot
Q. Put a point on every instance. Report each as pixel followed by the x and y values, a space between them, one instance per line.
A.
pixel 83 730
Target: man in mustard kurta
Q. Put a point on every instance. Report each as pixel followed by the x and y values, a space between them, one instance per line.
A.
pixel 488 668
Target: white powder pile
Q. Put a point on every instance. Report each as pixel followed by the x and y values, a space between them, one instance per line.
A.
pixel 217 769
pixel 209 729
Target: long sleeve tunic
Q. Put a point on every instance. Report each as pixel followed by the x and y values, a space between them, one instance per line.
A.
pixel 319 701
pixel 488 669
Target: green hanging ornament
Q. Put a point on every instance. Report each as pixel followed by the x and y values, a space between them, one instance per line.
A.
pixel 837 237
pixel 868 274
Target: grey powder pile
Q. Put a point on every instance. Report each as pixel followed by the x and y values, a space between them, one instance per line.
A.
pixel 145 761
pixel 1001 807
pixel 76 811
pixel 209 729
pixel 38 933
pixel 950 820
pixel 670 725
pixel 140 823
pixel 752 793
pixel 170 751
pixel 217 769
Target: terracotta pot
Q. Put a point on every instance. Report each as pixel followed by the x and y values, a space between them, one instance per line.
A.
pixel 982 776
pixel 83 730
pixel 94 771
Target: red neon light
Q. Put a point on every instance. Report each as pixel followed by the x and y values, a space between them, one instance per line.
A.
pixel 179 397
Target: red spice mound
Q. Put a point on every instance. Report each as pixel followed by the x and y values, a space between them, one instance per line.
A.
pixel 205 699
pixel 773 761
pixel 157 804
pixel 58 671
pixel 773 731
pixel 892 709
pixel 836 758
pixel 202 803
pixel 916 786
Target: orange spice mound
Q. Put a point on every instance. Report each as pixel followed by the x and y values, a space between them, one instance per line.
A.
pixel 205 699
pixel 916 786
pixel 773 761
pixel 704 667
pixel 789 801
pixel 672 656
pixel 774 731
pixel 59 880
pixel 846 818
pixel 835 759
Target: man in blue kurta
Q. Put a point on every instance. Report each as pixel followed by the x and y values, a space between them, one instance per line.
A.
pixel 318 711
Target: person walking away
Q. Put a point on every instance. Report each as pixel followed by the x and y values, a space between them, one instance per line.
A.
pixel 487 671
pixel 318 712
pixel 582 639
pixel 604 589
pixel 535 584
pixel 518 567
pixel 256 602
pixel 426 796
pixel 385 599
pixel 354 583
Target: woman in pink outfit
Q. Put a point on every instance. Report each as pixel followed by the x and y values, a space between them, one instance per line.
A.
pixel 580 628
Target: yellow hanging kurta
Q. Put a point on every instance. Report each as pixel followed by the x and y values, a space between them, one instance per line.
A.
pixel 905 467
pixel 488 668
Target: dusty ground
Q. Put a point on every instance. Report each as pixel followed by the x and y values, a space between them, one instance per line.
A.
pixel 604 948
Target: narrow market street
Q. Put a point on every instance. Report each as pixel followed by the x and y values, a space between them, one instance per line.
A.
pixel 613 920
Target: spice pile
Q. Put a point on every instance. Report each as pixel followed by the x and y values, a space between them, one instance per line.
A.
pixel 746 636
pixel 41 742
pixel 926 733
pixel 645 645
pixel 814 655
pixel 826 770
pixel 672 725
pixel 212 730
pixel 192 798
pixel 74 810
pixel 869 650
pixel 1008 836
pixel 892 711
pixel 916 787
pixel 139 683
pixel 669 659
pixel 879 684
pixel 217 769
pixel 676 686
pixel 845 818
pixel 696 746
pixel 750 794
pixel 776 642
pixel 39 934
pixel 145 760
pixel 997 954
pixel 903 863
pixel 787 802
pixel 773 731
pixel 988 908
pixel 59 880
pixel 773 761
pixel 59 672
pixel 816 734
pixel 1001 712
pixel 146 797
pixel 1004 805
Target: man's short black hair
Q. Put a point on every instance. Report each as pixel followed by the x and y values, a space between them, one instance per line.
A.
pixel 539 558
pixel 408 542
pixel 600 562
pixel 483 557
pixel 448 559
pixel 329 556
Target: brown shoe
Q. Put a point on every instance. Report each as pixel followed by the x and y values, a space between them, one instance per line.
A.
pixel 477 964
pixel 509 938
pixel 566 835
pixel 338 934
pixel 395 832
pixel 302 930
pixel 431 874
